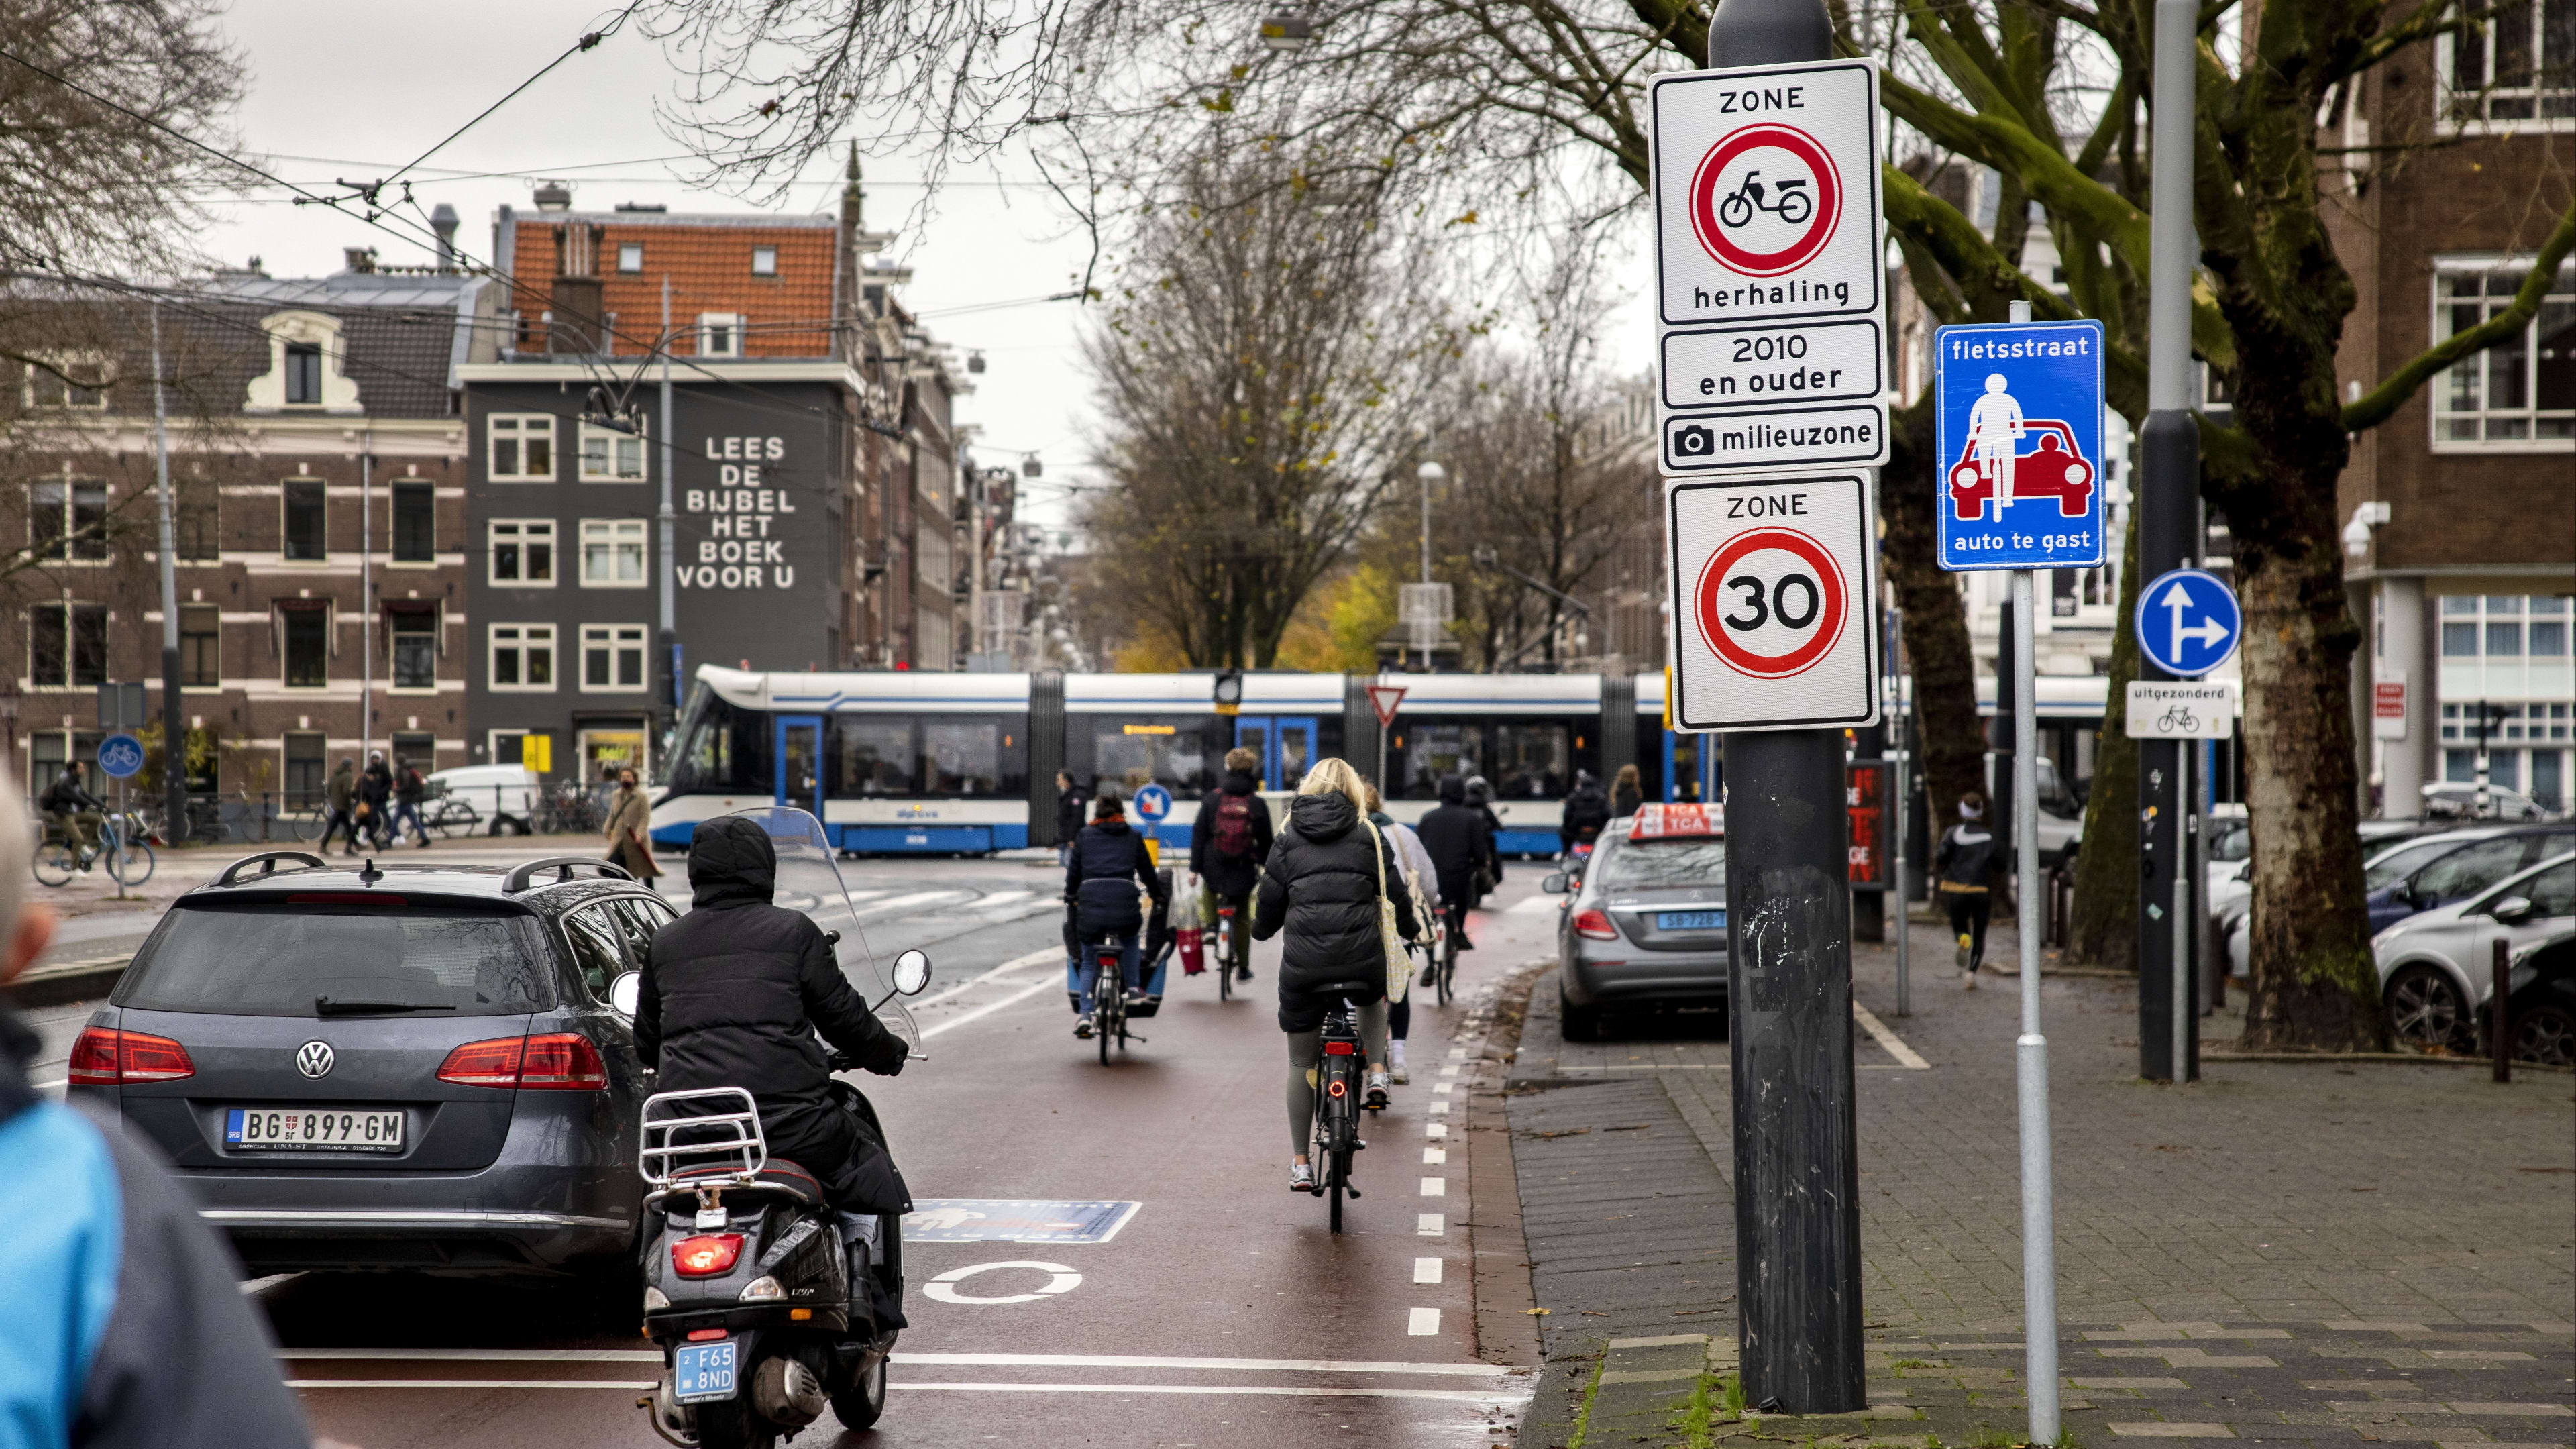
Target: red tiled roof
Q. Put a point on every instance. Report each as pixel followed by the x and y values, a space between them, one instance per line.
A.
pixel 709 267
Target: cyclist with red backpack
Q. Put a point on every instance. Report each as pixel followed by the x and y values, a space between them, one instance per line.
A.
pixel 1229 844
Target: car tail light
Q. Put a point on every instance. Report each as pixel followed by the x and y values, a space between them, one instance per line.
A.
pixel 1594 925
pixel 103 1057
pixel 493 1063
pixel 562 1062
pixel 1340 1049
pixel 558 1062
pixel 706 1255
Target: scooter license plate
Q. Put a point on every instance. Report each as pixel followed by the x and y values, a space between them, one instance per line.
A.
pixel 703 1372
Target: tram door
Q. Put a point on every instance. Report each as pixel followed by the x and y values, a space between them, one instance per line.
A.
pixel 1286 744
pixel 800 762
pixel 1690 769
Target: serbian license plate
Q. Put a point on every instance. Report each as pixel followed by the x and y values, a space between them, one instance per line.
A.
pixel 313 1129
pixel 702 1371
pixel 1691 921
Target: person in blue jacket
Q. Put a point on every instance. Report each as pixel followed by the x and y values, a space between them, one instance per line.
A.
pixel 121 1327
pixel 1109 862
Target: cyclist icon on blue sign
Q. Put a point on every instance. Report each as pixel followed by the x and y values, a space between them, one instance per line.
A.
pixel 2188 622
pixel 120 756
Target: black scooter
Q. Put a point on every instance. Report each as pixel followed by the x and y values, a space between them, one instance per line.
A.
pixel 749 1275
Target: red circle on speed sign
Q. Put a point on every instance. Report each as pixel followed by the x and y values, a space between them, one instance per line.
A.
pixel 1760 602
pixel 1767 221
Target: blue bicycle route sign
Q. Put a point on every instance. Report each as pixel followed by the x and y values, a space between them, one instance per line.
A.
pixel 2019 415
pixel 120 756
pixel 2188 622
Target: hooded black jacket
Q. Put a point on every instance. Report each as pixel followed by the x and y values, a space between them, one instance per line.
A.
pixel 1230 878
pixel 1586 811
pixel 732 997
pixel 1321 886
pixel 1109 862
pixel 1458 837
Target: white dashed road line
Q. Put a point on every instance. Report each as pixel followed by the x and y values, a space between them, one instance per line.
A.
pixel 1423 1323
pixel 1426 1270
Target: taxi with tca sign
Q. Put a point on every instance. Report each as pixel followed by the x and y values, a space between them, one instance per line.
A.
pixel 1646 923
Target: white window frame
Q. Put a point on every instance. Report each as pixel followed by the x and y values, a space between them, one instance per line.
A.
pixel 611 640
pixel 523 531
pixel 519 427
pixel 764 261
pixel 517 640
pixel 394 629
pixel 2439 393
pixel 630 252
pixel 641 443
pixel 616 533
pixel 2449 100
pixel 36 375
pixel 729 325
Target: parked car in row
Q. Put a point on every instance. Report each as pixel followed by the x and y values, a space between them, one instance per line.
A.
pixel 2439 869
pixel 2540 1001
pixel 2437 967
pixel 2458 800
pixel 1646 924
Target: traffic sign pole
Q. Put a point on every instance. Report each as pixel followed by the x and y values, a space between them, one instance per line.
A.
pixel 2030 1051
pixel 1797 1165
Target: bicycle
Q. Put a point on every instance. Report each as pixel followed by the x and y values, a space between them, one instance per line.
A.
pixel 450 815
pixel 1224 953
pixel 1109 995
pixel 1793 207
pixel 128 857
pixel 1338 1092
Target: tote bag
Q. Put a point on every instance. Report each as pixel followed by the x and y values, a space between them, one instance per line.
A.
pixel 1399 967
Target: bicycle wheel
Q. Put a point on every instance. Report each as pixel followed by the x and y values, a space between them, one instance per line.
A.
pixel 1795 208
pixel 55 863
pixel 1101 1007
pixel 1335 1172
pixel 131 862
pixel 458 818
pixel 1448 967
pixel 1734 211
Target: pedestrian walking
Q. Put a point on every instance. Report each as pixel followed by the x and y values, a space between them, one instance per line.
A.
pixel 630 829
pixel 1068 816
pixel 376 798
pixel 1965 865
pixel 409 787
pixel 340 794
pixel 1319 894
pixel 1627 791
pixel 1489 874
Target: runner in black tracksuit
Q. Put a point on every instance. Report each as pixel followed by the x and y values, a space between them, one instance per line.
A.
pixel 1965 864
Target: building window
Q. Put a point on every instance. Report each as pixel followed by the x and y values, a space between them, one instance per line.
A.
pixel 523 446
pixel 304 374
pixel 523 657
pixel 2522 390
pixel 67 384
pixel 611 455
pixel 304 752
pixel 764 261
pixel 523 552
pixel 612 656
pixel 612 553
pixel 199 523
pixel 305 540
pixel 630 257
pixel 2520 65
pixel 2505 626
pixel 67 645
pixel 201 646
pixel 415 523
pixel 415 649
pixel 308 648
pixel 67 519
pixel 720 334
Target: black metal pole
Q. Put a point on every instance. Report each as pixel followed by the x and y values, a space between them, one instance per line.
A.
pixel 2168 487
pixel 1797 1164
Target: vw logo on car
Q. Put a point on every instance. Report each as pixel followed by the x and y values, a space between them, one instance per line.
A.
pixel 314 1058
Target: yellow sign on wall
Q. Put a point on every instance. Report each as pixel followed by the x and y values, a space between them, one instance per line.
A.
pixel 537 752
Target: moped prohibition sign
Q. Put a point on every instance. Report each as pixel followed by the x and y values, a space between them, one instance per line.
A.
pixel 1764 228
pixel 1772 627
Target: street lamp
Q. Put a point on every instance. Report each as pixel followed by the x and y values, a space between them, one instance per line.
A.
pixel 1429 473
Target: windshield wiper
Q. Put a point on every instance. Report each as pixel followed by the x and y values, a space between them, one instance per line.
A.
pixel 325 1006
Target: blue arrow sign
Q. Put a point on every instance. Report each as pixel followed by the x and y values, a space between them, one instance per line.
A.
pixel 1153 803
pixel 2188 623
pixel 2020 438
pixel 120 756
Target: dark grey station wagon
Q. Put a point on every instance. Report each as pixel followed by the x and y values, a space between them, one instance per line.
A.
pixel 389 1068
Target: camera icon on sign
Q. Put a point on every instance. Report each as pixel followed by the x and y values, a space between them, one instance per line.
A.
pixel 1694 442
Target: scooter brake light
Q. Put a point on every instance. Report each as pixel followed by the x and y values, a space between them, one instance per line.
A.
pixel 706 1254
pixel 1340 1049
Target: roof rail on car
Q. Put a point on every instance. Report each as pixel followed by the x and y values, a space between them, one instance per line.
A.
pixel 563 866
pixel 267 861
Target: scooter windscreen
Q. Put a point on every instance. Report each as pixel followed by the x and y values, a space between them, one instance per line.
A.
pixel 808 881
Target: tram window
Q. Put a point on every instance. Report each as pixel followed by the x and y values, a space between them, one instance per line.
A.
pixel 875 756
pixel 1434 750
pixel 723 750
pixel 962 757
pixel 1181 755
pixel 1531 762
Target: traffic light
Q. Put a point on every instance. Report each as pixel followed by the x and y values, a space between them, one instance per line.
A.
pixel 1229 691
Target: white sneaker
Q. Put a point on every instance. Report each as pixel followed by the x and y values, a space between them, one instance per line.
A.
pixel 1376 1090
pixel 1301 1177
pixel 1967 981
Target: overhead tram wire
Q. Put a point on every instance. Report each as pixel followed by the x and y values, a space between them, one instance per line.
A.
pixel 587 41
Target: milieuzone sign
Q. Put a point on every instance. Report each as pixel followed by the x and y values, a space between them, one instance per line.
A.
pixel 1768 268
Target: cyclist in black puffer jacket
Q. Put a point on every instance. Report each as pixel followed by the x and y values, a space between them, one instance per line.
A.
pixel 1109 861
pixel 1321 887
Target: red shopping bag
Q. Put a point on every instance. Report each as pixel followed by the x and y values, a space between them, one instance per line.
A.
pixel 1193 960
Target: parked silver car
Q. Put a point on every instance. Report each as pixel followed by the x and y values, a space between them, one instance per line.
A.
pixel 1647 924
pixel 2436 968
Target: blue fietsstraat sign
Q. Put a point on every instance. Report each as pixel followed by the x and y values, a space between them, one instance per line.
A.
pixel 2020 437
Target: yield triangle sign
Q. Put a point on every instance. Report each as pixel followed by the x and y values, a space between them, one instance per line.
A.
pixel 1384 698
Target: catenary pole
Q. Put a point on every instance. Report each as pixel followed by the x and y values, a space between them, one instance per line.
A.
pixel 668 644
pixel 174 722
pixel 367 601
pixel 1797 1169
pixel 2168 486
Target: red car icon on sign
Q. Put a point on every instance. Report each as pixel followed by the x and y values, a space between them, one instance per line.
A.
pixel 2056 471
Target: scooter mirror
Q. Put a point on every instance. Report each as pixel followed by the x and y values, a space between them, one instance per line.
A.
pixel 911 971
pixel 625 991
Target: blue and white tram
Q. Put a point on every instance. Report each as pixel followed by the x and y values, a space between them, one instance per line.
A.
pixel 966 763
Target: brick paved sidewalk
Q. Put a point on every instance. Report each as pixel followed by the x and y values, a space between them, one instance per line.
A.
pixel 2282 1251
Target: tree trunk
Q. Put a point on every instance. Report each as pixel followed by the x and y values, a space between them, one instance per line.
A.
pixel 1953 740
pixel 2104 931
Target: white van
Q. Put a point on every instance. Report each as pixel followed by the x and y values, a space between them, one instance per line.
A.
pixel 504 795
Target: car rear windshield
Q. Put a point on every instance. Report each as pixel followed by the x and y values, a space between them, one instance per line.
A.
pixel 262 959
pixel 2394 865
pixel 1635 864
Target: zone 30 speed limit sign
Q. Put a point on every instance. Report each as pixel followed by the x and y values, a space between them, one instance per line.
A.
pixel 1774 608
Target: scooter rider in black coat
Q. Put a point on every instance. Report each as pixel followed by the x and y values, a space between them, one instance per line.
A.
pixel 732 997
pixel 1109 862
pixel 1587 810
